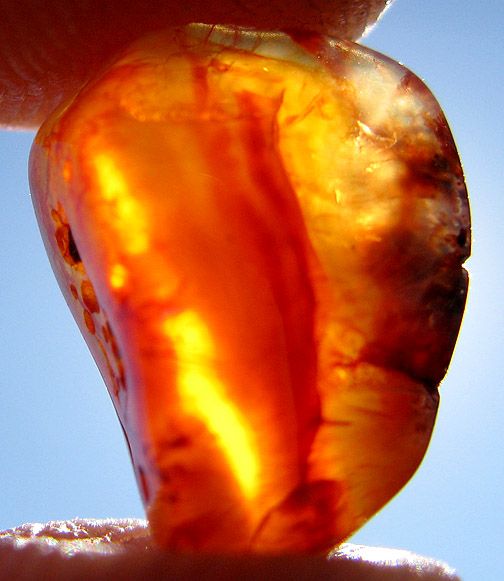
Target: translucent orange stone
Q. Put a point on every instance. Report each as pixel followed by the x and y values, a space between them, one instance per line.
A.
pixel 261 238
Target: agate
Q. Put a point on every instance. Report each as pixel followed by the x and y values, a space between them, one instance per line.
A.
pixel 261 238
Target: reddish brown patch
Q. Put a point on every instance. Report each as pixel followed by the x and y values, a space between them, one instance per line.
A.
pixel 88 319
pixel 89 297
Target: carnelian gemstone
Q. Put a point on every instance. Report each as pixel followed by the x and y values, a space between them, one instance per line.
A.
pixel 261 239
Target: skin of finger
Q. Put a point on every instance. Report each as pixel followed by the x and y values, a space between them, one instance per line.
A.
pixel 50 48
pixel 34 562
pixel 81 548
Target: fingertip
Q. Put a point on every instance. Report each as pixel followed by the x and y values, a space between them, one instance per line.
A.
pixel 50 49
pixel 122 549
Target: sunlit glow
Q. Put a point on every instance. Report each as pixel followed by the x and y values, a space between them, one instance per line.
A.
pixel 117 277
pixel 128 212
pixel 203 395
pixel 67 171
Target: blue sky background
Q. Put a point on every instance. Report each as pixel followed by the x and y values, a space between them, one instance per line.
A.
pixel 61 449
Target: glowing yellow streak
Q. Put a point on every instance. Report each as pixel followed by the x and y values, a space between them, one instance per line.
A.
pixel 128 212
pixel 203 395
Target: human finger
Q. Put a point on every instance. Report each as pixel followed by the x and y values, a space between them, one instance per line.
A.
pixel 121 549
pixel 48 49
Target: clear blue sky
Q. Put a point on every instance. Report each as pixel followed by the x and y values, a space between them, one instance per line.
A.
pixel 62 453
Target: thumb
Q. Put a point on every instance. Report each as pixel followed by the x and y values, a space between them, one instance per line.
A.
pixel 49 48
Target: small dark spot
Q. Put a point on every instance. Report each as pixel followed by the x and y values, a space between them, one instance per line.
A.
pixel 72 247
pixel 440 163
pixel 67 246
pixel 179 442
pixel 462 237
pixel 74 292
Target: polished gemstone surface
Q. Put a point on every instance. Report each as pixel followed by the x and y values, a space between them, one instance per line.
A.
pixel 261 239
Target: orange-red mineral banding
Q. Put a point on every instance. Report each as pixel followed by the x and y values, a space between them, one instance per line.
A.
pixel 260 236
